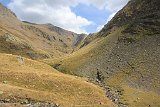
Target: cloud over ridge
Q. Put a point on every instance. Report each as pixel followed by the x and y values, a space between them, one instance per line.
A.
pixel 58 12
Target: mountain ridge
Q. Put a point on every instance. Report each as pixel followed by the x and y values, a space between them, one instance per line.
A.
pixel 50 40
pixel 124 55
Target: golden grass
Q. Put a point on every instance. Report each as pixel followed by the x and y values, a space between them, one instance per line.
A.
pixel 40 82
pixel 133 97
pixel 140 98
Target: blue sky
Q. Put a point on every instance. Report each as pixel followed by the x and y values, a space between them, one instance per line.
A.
pixel 81 16
pixel 5 2
pixel 97 16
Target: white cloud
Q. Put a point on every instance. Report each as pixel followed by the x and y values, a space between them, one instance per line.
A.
pixel 100 4
pixel 58 12
pixel 113 7
pixel 99 27
pixel 109 18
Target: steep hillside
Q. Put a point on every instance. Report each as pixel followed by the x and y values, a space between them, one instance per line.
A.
pixel 36 41
pixel 24 81
pixel 138 16
pixel 124 55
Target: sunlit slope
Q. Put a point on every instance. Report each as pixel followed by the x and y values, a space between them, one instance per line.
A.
pixel 35 41
pixel 73 63
pixel 124 55
pixel 23 78
pixel 126 66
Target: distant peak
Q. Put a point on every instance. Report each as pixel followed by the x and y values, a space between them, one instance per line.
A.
pixel 29 22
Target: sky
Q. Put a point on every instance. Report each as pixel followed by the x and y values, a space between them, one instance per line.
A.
pixel 80 16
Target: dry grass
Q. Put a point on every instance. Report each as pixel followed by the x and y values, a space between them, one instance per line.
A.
pixel 133 97
pixel 140 98
pixel 40 82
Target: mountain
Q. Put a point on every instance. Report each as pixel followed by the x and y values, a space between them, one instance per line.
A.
pixel 36 41
pixel 139 16
pixel 28 82
pixel 124 56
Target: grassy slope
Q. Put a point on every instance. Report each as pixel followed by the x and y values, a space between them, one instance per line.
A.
pixel 133 97
pixel 129 60
pixel 73 62
pixel 40 46
pixel 136 91
pixel 45 40
pixel 40 82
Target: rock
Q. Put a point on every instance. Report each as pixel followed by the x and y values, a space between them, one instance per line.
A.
pixel 1 92
pixel 20 59
pixel 5 82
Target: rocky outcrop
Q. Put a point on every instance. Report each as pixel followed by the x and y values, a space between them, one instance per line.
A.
pixel 136 16
pixel 39 32
pixel 13 43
